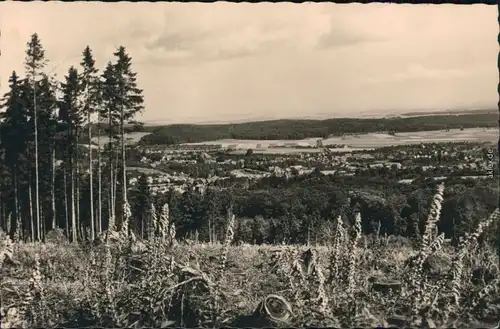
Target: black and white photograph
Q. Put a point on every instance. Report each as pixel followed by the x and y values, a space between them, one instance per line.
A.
pixel 209 165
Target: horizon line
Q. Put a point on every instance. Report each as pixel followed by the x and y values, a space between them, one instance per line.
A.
pixel 318 117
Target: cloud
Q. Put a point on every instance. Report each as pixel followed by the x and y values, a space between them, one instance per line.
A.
pixel 342 37
pixel 270 60
pixel 418 72
pixel 176 40
pixel 241 32
pixel 199 47
pixel 183 52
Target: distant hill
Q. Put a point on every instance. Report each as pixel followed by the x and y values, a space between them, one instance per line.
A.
pixel 300 129
pixel 129 128
pixel 450 112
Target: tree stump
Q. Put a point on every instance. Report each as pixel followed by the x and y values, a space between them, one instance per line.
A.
pixel 273 311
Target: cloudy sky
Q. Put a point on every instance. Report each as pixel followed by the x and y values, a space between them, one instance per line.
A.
pixel 229 62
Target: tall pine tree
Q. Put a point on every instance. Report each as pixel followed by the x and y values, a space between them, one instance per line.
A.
pixel 129 102
pixel 13 141
pixel 46 123
pixel 142 206
pixel 71 120
pixel 34 63
pixel 90 103
pixel 110 112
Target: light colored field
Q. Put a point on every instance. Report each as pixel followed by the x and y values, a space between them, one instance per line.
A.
pixel 257 144
pixel 360 141
pixel 132 138
pixel 150 171
pixel 285 150
pixel 438 136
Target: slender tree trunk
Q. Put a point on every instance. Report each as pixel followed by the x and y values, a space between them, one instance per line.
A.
pixel 42 225
pixel 5 221
pixel 77 187
pixel 124 166
pixel 73 214
pixel 66 200
pixel 91 184
pixel 72 184
pixel 210 229
pixel 16 202
pixel 99 185
pixel 110 207
pixel 111 184
pixel 32 218
pixel 37 196
pixel 111 190
pixel 53 189
pixel 142 226
pixel 115 188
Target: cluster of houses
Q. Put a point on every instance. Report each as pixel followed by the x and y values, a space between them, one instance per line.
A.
pixel 426 157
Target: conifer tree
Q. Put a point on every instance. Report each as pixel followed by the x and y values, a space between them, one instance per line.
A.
pixel 129 102
pixel 141 206
pixel 46 123
pixel 13 140
pixel 34 63
pixel 71 119
pixel 109 111
pixel 90 102
pixel 40 157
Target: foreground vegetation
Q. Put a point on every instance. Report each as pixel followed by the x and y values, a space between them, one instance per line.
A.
pixel 353 281
pixel 300 129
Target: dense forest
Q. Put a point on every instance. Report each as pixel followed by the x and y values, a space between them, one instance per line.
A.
pixel 303 209
pixel 299 129
pixel 51 175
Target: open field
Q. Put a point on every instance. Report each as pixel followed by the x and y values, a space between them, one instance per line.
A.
pixel 147 171
pixel 360 282
pixel 437 136
pixel 285 150
pixel 131 138
pixel 361 141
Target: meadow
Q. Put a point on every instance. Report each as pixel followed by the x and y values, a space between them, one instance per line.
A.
pixel 130 138
pixel 349 281
pixel 357 141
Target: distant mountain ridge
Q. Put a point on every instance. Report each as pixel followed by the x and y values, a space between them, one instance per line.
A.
pixel 450 112
pixel 319 117
pixel 290 129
